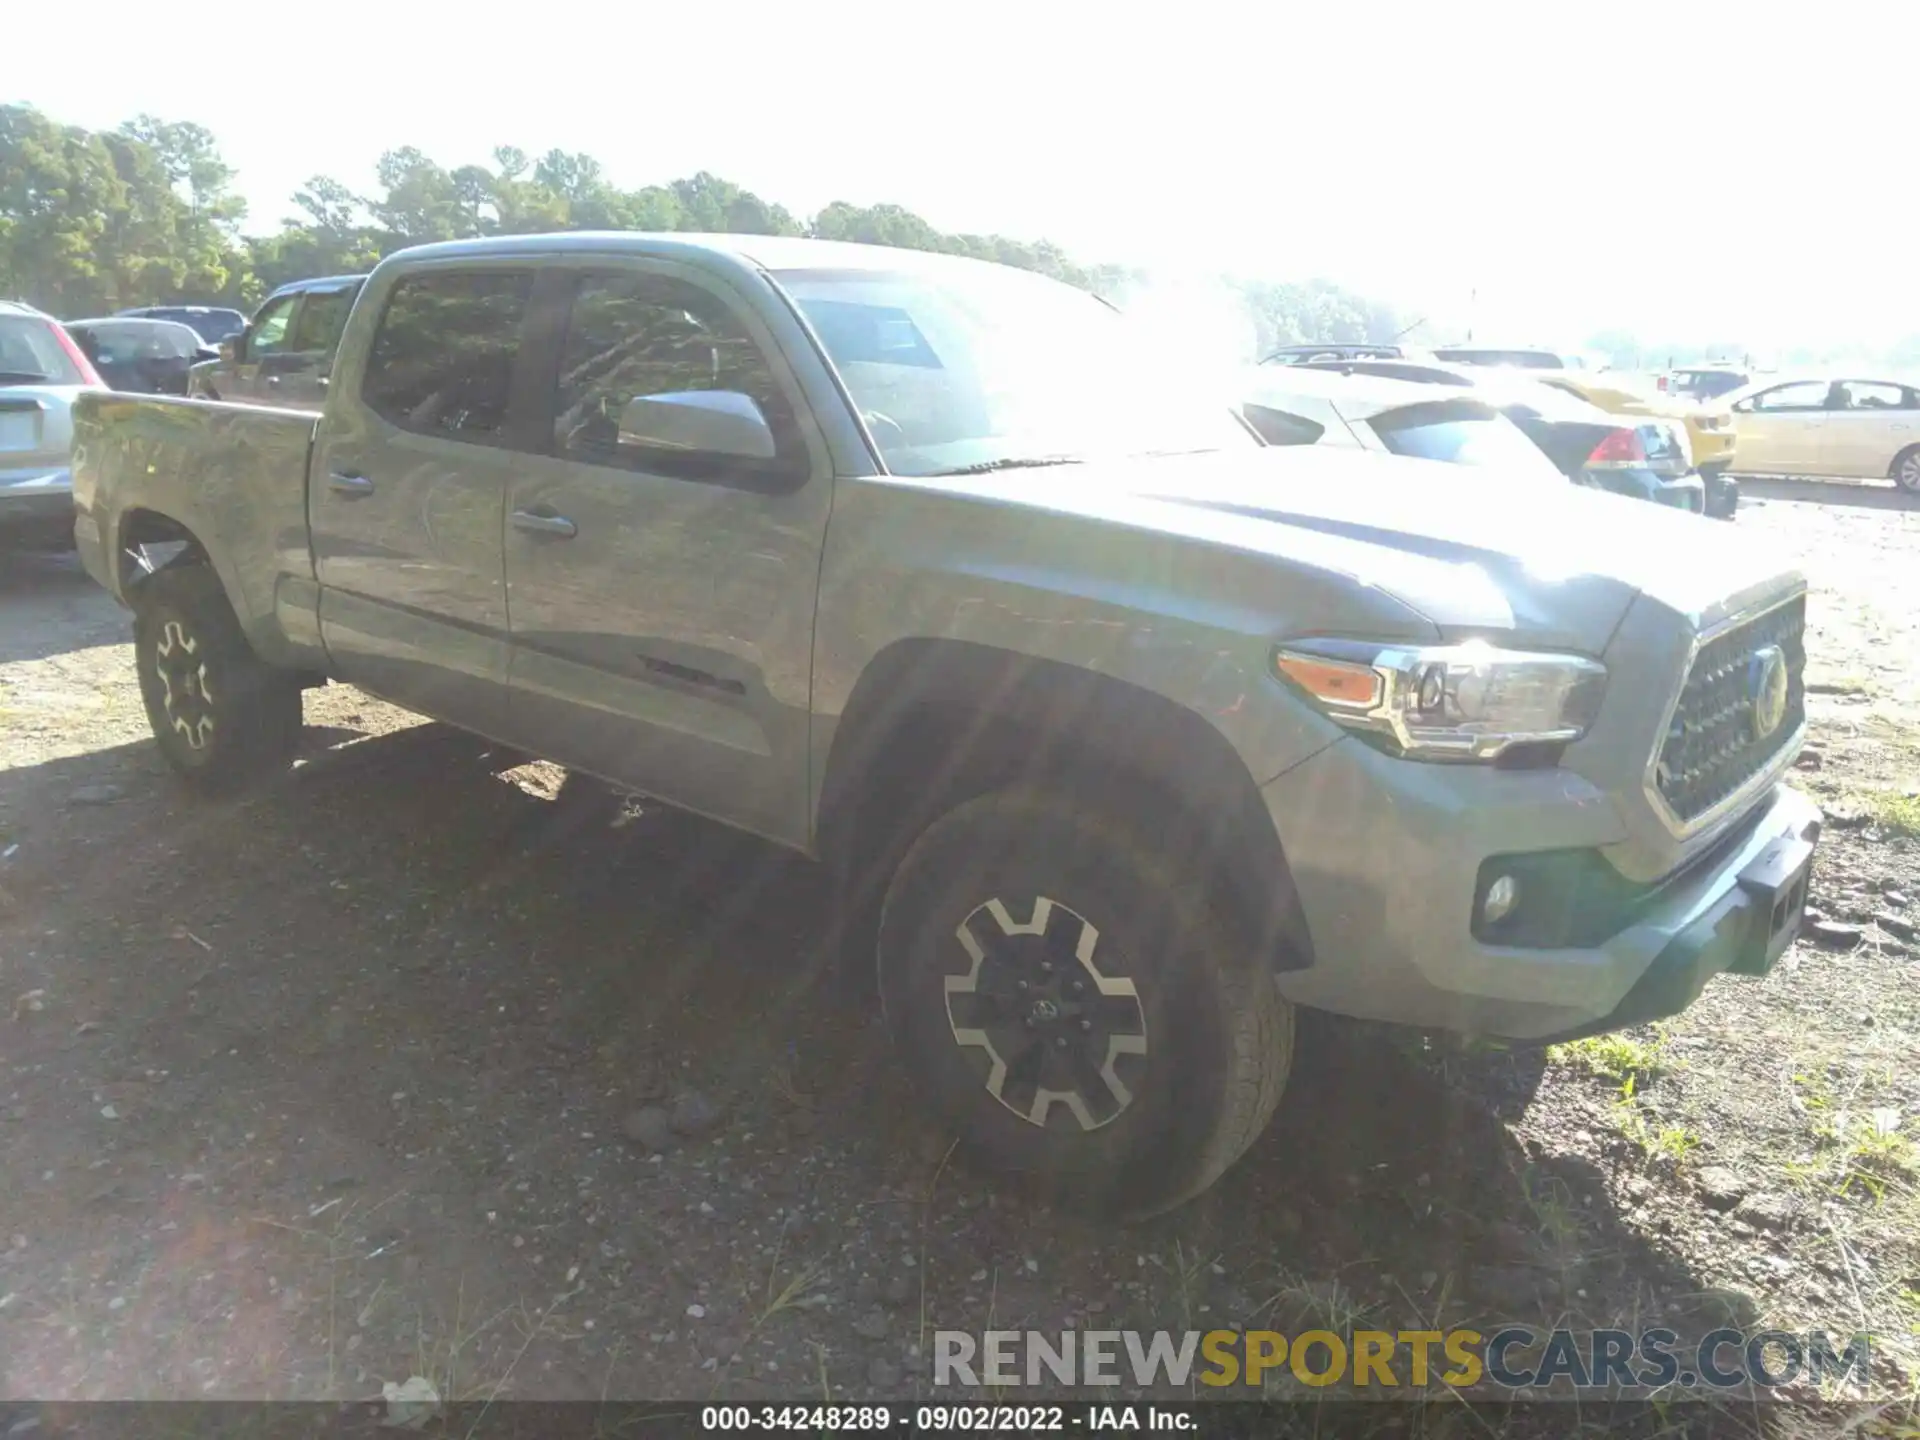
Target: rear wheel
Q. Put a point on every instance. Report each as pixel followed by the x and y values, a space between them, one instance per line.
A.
pixel 1906 470
pixel 1077 1004
pixel 223 717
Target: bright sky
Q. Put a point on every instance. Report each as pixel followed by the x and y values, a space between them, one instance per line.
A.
pixel 1686 169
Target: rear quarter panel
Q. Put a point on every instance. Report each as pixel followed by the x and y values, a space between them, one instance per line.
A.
pixel 234 476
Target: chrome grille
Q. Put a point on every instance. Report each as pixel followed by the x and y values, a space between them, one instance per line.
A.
pixel 1712 745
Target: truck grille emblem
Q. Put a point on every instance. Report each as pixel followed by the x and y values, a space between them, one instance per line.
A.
pixel 1767 688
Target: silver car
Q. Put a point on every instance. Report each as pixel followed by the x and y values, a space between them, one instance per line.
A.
pixel 41 371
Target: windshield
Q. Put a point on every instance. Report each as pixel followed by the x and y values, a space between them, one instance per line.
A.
pixel 984 367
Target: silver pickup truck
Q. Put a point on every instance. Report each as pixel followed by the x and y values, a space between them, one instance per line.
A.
pixel 1122 734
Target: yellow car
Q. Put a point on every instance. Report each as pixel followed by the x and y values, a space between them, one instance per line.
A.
pixel 1710 432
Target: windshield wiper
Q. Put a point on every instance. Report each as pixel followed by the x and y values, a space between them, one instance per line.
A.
pixel 1031 462
pixel 24 377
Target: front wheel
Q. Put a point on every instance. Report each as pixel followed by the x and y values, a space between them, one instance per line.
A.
pixel 1077 1005
pixel 223 717
pixel 1906 470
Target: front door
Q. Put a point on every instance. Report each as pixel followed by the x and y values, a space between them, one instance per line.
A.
pixel 1779 430
pixel 410 470
pixel 663 600
pixel 257 352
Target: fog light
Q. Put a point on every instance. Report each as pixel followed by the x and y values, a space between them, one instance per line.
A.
pixel 1502 895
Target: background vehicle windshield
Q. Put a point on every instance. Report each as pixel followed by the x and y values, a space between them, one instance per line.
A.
pixel 124 342
pixel 212 326
pixel 1463 435
pixel 1707 384
pixel 953 369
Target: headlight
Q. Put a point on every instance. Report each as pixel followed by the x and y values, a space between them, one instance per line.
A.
pixel 1447 702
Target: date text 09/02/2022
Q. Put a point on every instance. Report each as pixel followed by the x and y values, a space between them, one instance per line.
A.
pixel 940 1419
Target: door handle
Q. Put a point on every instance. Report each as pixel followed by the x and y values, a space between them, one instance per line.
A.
pixel 534 524
pixel 351 486
pixel 273 379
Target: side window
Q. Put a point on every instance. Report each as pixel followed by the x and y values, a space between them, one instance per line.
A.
pixel 633 336
pixel 1801 395
pixel 317 330
pixel 1282 427
pixel 1871 395
pixel 442 359
pixel 269 333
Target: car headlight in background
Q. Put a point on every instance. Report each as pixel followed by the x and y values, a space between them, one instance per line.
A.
pixel 1471 701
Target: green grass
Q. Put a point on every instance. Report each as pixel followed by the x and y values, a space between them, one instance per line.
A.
pixel 1618 1057
pixel 1893 811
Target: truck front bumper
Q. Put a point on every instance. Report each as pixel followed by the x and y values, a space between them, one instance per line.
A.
pixel 1386 857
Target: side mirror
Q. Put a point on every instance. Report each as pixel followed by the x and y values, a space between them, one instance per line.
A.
pixel 698 422
pixel 204 353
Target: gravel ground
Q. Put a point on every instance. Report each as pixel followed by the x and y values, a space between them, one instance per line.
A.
pixel 399 1069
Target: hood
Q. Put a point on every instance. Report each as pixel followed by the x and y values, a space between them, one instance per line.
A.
pixel 1472 550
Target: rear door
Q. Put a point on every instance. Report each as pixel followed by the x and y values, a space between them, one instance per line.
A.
pixel 300 377
pixel 1873 422
pixel 663 600
pixel 1779 431
pixel 417 446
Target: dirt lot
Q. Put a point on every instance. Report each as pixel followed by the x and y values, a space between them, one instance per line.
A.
pixel 332 1086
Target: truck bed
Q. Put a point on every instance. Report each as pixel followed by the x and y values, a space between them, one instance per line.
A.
pixel 234 476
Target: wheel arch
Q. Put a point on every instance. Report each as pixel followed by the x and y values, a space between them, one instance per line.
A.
pixel 141 527
pixel 932 722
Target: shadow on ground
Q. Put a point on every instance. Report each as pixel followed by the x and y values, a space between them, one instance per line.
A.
pixel 369 1040
pixel 1868 495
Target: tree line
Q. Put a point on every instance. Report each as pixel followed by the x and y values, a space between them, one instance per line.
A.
pixel 96 221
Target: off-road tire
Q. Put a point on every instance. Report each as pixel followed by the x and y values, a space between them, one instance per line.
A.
pixel 1905 470
pixel 252 710
pixel 1218 1034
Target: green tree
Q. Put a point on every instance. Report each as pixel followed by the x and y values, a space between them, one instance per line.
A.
pixel 149 212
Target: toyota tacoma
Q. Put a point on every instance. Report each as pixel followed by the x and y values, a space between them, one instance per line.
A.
pixel 1123 735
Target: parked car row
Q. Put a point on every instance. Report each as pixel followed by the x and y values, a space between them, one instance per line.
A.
pixel 1645 455
pixel 1735 419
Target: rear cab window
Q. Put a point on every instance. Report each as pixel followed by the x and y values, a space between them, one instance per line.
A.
pixel 31 354
pixel 442 357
